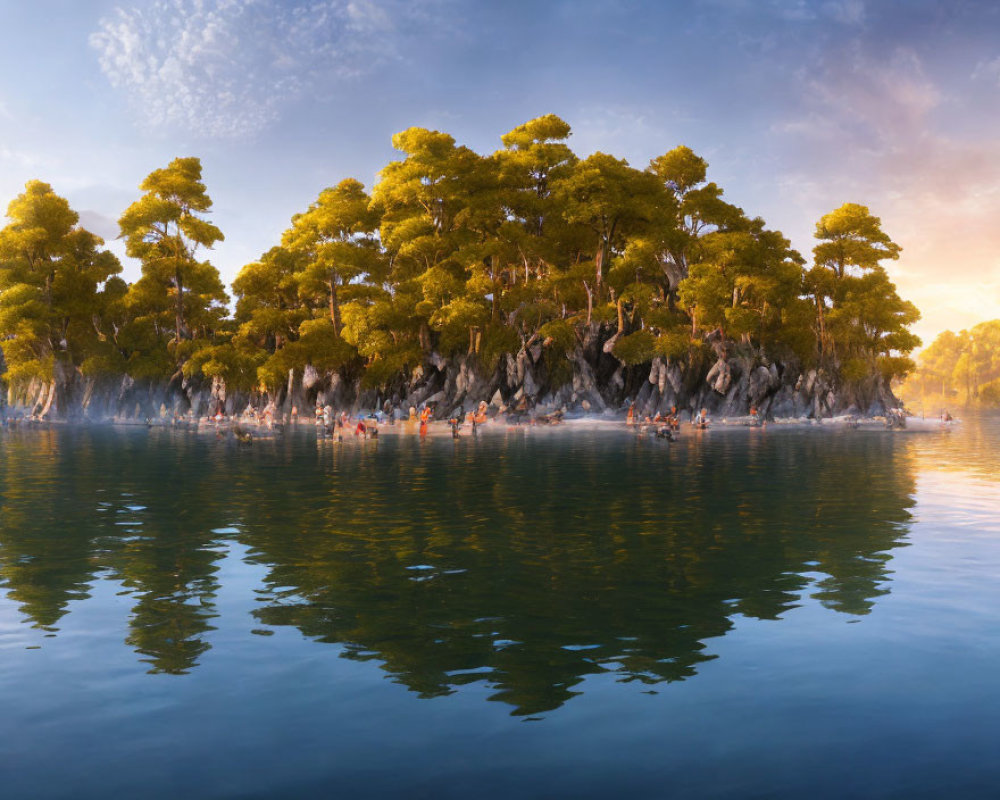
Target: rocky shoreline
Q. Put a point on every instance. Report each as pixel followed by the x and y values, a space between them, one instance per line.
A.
pixel 724 377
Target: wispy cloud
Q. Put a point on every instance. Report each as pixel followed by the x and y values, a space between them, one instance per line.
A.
pixel 99 223
pixel 848 12
pixel 872 130
pixel 988 70
pixel 23 158
pixel 620 130
pixel 867 103
pixel 227 68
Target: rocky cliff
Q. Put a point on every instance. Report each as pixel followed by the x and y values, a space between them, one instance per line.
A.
pixel 726 378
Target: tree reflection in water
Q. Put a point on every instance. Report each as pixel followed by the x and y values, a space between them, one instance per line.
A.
pixel 526 561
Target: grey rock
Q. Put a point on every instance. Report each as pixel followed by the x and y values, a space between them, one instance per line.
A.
pixel 720 377
pixel 310 377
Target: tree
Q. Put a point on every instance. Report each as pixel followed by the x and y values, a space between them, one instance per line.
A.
pixel 936 374
pixel 852 241
pixel 747 283
pixel 337 237
pixel 52 277
pixel 967 361
pixel 861 322
pixel 612 199
pixel 269 308
pixel 164 230
pixel 424 198
pixel 537 274
pixel 529 250
pixel 698 209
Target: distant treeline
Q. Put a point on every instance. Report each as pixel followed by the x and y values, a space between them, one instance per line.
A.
pixel 960 367
pixel 453 253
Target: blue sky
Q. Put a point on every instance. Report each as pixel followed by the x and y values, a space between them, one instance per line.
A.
pixel 798 106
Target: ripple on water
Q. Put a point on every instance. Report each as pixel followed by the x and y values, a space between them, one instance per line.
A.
pixel 592 563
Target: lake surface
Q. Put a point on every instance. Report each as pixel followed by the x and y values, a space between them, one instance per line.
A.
pixel 750 614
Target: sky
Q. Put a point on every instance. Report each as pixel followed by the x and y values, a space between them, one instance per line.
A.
pixel 797 105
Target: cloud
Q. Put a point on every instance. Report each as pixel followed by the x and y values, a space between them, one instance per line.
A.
pixel 872 130
pixel 23 159
pixel 988 70
pixel 228 68
pixel 624 131
pixel 872 103
pixel 596 128
pixel 847 12
pixel 98 223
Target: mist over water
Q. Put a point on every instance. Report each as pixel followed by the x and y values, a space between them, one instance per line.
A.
pixel 565 612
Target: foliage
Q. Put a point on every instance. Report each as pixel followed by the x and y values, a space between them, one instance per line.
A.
pixel 636 348
pixel 963 366
pixel 859 315
pixel 164 230
pixel 458 254
pixel 55 290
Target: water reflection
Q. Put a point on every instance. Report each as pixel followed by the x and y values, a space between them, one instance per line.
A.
pixel 528 562
pixel 969 450
pixel 78 504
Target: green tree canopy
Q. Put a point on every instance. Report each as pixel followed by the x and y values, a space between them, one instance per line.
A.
pixel 861 322
pixel 164 229
pixel 53 285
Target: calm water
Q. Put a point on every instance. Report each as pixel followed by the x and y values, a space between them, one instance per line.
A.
pixel 780 614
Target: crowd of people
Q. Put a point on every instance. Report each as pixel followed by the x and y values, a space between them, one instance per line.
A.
pixel 336 426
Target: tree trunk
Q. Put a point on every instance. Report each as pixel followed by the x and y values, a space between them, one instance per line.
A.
pixel 822 326
pixel 50 397
pixel 179 307
pixel 334 307
pixel 495 277
pixel 64 388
